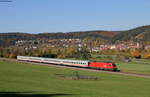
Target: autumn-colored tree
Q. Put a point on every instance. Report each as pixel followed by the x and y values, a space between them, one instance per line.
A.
pixel 69 52
pixel 13 55
pixel 147 54
pixel 82 54
pixel 135 53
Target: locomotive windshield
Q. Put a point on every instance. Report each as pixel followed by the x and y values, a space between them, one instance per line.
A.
pixel 114 64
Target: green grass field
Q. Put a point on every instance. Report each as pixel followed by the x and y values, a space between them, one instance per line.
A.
pixel 26 80
pixel 140 66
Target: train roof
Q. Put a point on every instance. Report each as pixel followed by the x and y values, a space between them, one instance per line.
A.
pixel 103 61
pixel 55 59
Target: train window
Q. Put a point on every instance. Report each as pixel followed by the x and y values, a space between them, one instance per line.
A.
pixel 113 64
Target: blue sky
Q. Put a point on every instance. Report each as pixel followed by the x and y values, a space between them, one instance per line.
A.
pixel 72 15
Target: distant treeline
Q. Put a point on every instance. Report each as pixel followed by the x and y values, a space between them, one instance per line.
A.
pixel 48 52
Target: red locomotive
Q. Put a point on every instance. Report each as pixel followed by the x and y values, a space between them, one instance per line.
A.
pixel 103 66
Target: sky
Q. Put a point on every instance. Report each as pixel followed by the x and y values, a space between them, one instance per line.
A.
pixel 36 16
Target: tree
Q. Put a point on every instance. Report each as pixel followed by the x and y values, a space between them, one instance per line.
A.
pixel 82 54
pixel 135 53
pixel 147 54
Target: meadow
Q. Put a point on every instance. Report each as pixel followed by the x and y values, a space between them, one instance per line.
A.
pixel 27 80
pixel 139 66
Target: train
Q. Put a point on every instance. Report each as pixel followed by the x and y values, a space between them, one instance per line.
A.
pixel 74 63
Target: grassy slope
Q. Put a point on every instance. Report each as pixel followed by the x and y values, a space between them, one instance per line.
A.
pixel 141 66
pixel 17 77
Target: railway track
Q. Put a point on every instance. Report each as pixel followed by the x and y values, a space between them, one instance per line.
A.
pixel 85 69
